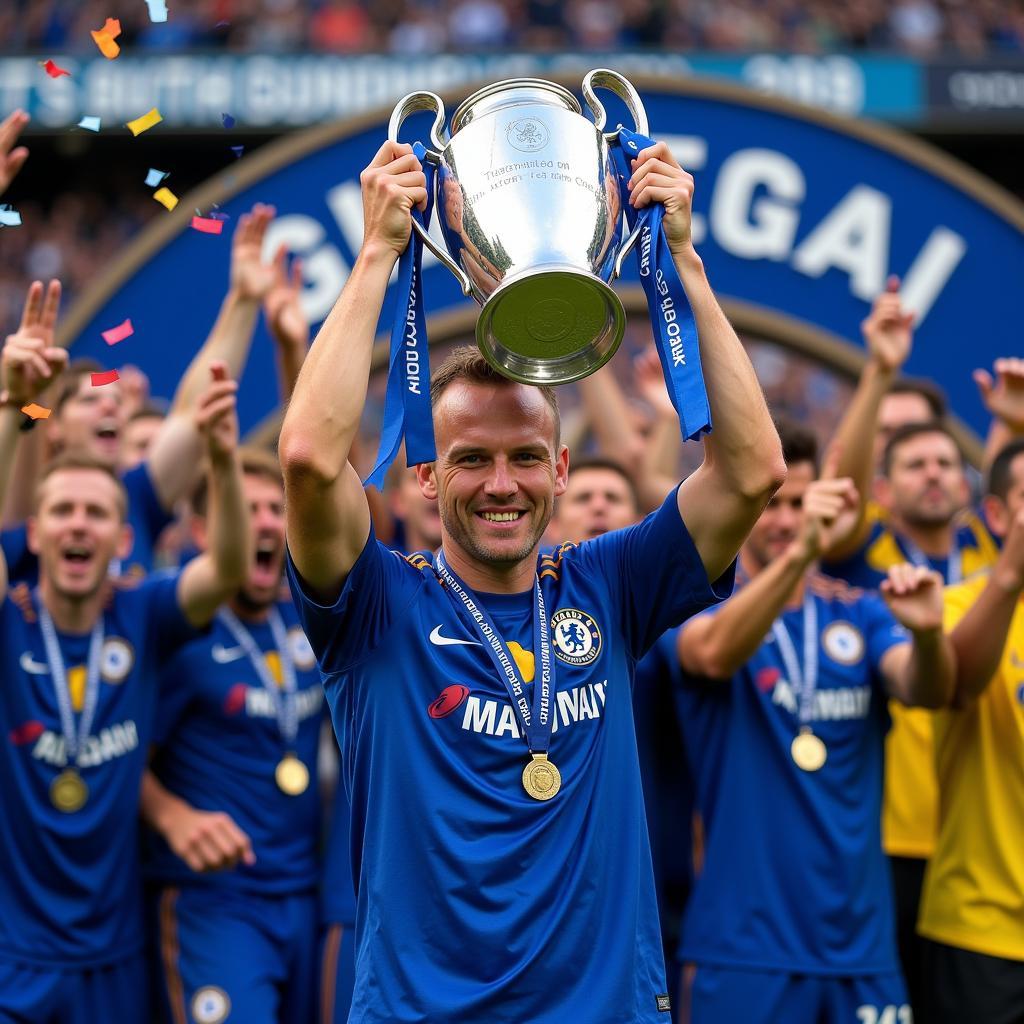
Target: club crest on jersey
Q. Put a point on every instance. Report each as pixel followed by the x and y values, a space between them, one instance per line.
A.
pixel 117 659
pixel 210 1005
pixel 301 650
pixel 843 642
pixel 575 636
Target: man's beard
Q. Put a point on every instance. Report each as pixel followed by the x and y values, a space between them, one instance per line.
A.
pixel 467 541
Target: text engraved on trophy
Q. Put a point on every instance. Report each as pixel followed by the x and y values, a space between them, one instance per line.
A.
pixel 521 171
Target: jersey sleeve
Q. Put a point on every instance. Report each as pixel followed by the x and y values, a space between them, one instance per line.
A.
pixel 173 698
pixel 377 591
pixel 22 565
pixel 167 626
pixel 654 574
pixel 145 510
pixel 881 632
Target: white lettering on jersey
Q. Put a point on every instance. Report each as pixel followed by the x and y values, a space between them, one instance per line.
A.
pixel 844 702
pixel 575 705
pixel 109 743
pixel 307 703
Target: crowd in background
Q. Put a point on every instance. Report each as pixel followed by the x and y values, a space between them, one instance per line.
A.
pixel 918 27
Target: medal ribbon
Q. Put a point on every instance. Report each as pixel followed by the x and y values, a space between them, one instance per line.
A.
pixel 954 563
pixel 407 399
pixel 536 722
pixel 805 680
pixel 73 741
pixel 672 320
pixel 285 710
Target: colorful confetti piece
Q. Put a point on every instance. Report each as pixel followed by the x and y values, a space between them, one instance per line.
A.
pixel 227 120
pixel 166 197
pixel 36 412
pixel 118 333
pixel 9 216
pixel 155 177
pixel 53 70
pixel 208 225
pixel 90 123
pixel 145 122
pixel 106 377
pixel 157 10
pixel 104 38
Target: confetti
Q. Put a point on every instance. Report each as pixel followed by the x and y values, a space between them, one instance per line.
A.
pixel 104 38
pixel 227 120
pixel 238 151
pixel 208 225
pixel 166 197
pixel 53 70
pixel 89 123
pixel 106 377
pixel 141 124
pixel 9 216
pixel 35 412
pixel 220 215
pixel 157 10
pixel 118 333
pixel 155 177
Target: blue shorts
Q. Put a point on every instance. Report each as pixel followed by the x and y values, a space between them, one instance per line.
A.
pixel 68 995
pixel 234 956
pixel 337 972
pixel 726 995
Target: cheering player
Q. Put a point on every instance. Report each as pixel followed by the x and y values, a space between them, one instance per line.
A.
pixel 233 792
pixel 503 866
pixel 78 661
pixel 784 710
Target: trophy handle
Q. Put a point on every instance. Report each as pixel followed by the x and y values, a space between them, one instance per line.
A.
pixel 439 138
pixel 603 78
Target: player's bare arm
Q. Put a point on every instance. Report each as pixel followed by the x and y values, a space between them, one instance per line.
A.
pixel 921 673
pixel 743 464
pixel 204 840
pixel 980 635
pixel 209 580
pixel 27 365
pixel 716 646
pixel 328 516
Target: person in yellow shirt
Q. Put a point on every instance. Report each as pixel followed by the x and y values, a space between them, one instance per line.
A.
pixel 972 907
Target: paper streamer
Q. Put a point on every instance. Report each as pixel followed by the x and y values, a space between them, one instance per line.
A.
pixel 166 197
pixel 106 377
pixel 208 225
pixel 145 122
pixel 118 333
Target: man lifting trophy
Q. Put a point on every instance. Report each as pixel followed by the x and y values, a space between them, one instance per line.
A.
pixel 498 839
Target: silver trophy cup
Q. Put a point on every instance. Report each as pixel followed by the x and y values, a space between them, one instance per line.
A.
pixel 529 206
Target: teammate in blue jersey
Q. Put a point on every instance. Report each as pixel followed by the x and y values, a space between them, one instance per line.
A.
pixel 232 794
pixel 482 698
pixel 78 662
pixel 91 419
pixel 783 707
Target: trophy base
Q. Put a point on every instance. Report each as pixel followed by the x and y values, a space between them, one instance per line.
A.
pixel 550 325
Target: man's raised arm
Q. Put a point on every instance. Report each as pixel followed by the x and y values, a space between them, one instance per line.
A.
pixel 327 516
pixel 743 465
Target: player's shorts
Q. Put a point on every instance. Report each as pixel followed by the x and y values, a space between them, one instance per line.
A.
pixel 337 972
pixel 66 995
pixel 235 956
pixel 965 986
pixel 720 995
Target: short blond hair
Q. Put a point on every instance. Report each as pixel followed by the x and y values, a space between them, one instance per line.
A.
pixel 81 460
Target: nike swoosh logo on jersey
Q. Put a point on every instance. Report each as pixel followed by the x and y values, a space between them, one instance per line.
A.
pixel 225 655
pixel 29 664
pixel 447 641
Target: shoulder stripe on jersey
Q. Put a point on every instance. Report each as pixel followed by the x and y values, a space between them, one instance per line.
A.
pixel 834 588
pixel 22 598
pixel 329 973
pixel 170 954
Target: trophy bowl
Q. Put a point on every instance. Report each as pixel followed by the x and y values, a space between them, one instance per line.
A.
pixel 531 214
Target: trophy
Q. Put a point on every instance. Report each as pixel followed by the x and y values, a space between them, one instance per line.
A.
pixel 531 213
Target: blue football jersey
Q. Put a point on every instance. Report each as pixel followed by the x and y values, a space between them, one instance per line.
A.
pixel 337 895
pixel 146 516
pixel 219 743
pixel 474 901
pixel 794 878
pixel 69 882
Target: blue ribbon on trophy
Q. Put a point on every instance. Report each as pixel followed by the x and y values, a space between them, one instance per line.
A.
pixel 407 411
pixel 672 320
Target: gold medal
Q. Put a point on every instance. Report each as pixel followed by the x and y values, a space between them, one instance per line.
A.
pixel 68 792
pixel 541 779
pixel 291 775
pixel 808 751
